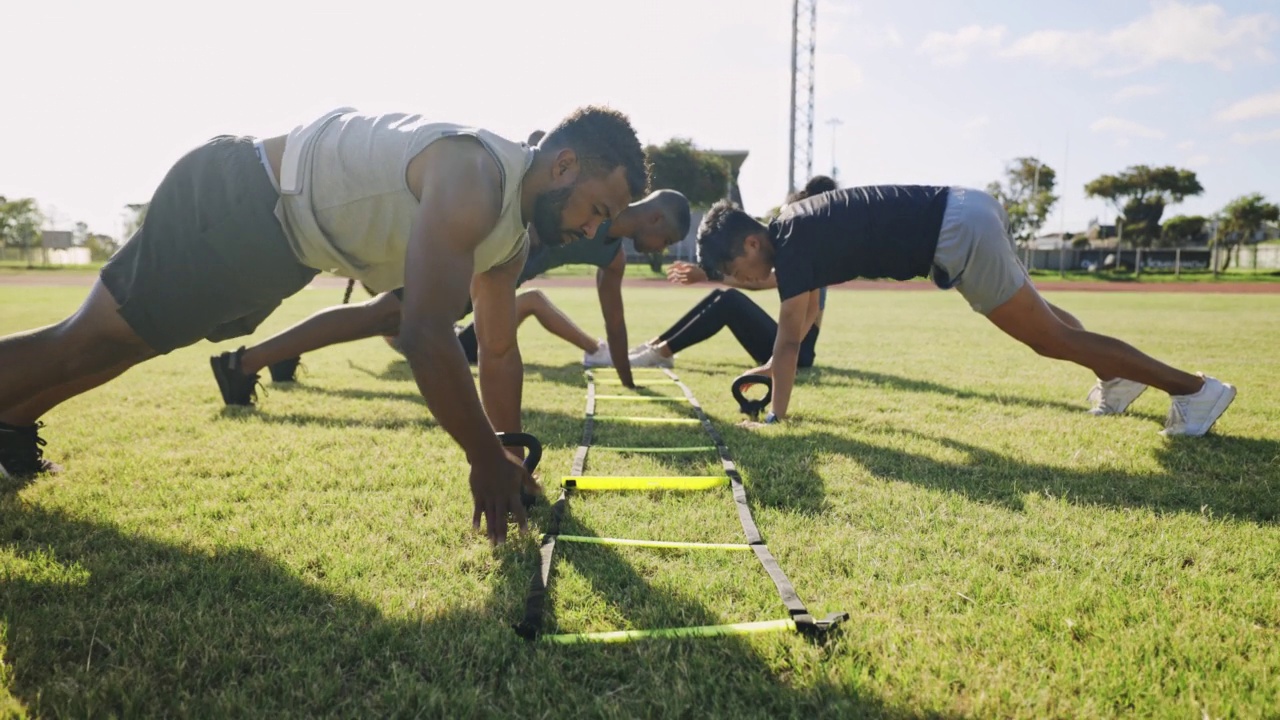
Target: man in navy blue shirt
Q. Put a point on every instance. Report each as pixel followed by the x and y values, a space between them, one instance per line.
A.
pixel 957 237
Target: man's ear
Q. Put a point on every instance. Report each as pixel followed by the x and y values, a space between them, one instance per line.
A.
pixel 565 167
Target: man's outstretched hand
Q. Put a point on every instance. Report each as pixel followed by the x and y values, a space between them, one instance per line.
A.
pixel 495 487
pixel 685 273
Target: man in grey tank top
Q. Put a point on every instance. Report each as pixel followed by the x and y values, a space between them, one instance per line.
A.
pixel 238 225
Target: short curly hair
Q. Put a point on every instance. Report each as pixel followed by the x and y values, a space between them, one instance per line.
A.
pixel 721 235
pixel 817 185
pixel 603 140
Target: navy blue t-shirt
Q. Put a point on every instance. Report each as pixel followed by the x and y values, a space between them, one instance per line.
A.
pixel 882 231
pixel 599 250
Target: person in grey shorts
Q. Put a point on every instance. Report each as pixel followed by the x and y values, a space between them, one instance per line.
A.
pixel 955 236
pixel 392 200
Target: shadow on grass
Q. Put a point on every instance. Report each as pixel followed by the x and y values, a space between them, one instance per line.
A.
pixel 398 370
pixel 906 384
pixel 1226 476
pixel 553 429
pixel 103 623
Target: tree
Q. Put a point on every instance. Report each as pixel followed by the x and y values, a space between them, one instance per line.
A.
pixel 1027 196
pixel 1183 230
pixel 137 214
pixel 701 176
pixel 1141 193
pixel 101 247
pixel 20 222
pixel 1242 218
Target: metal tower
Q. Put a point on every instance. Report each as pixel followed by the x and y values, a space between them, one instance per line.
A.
pixel 804 26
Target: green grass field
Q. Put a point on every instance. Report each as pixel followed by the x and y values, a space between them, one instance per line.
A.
pixel 1001 552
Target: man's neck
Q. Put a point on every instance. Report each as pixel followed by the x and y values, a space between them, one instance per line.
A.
pixel 626 224
pixel 530 187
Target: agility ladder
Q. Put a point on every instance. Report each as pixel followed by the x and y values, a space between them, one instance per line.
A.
pixel 530 628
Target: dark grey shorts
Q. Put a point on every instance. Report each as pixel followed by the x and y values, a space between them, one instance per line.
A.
pixel 210 260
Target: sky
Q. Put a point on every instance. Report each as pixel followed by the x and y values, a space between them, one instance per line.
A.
pixel 102 98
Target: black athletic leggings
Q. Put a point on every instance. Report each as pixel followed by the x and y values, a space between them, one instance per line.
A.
pixel 748 322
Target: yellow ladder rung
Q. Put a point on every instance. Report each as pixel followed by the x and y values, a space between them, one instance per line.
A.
pixel 673 421
pixel 656 450
pixel 653 381
pixel 642 398
pixel 652 543
pixel 598 482
pixel 745 628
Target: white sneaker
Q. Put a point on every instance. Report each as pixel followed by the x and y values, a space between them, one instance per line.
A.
pixel 1194 414
pixel 1114 396
pixel 638 349
pixel 650 357
pixel 599 358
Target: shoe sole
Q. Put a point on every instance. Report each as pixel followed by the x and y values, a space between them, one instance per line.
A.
pixel 222 385
pixel 1100 412
pixel 1220 407
pixel 217 376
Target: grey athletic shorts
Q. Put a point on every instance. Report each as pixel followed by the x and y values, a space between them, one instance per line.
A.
pixel 975 254
pixel 210 260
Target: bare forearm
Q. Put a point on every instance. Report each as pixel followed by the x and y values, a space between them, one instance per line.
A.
pixel 444 378
pixel 616 335
pixel 609 290
pixel 502 389
pixel 785 356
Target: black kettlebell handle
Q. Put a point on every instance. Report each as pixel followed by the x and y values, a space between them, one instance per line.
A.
pixel 752 407
pixel 526 441
pixel 531 444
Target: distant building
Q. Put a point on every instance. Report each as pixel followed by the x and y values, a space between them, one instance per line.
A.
pixel 1054 241
pixel 57 239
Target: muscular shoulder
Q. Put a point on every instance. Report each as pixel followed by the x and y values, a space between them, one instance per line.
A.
pixel 461 161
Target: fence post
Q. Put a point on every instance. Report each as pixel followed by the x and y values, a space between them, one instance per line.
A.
pixel 1177 263
pixel 1137 263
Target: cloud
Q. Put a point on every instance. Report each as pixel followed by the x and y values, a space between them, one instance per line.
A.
pixel 1125 129
pixel 1056 46
pixel 955 48
pixel 1130 92
pixel 1263 105
pixel 836 75
pixel 1257 137
pixel 1198 160
pixel 978 123
pixel 1186 144
pixel 1171 32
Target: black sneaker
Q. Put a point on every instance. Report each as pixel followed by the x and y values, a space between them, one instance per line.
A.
pixel 285 370
pixel 21 452
pixel 237 388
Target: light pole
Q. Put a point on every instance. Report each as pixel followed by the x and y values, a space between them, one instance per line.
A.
pixel 834 123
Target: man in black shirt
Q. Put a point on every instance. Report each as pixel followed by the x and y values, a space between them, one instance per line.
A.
pixel 956 236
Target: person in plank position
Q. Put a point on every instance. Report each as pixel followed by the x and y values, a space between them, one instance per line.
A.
pixel 957 237
pixel 394 200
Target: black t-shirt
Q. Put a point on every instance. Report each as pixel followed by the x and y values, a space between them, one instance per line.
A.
pixel 881 231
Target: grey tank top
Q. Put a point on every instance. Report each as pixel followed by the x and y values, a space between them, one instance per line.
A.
pixel 348 209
